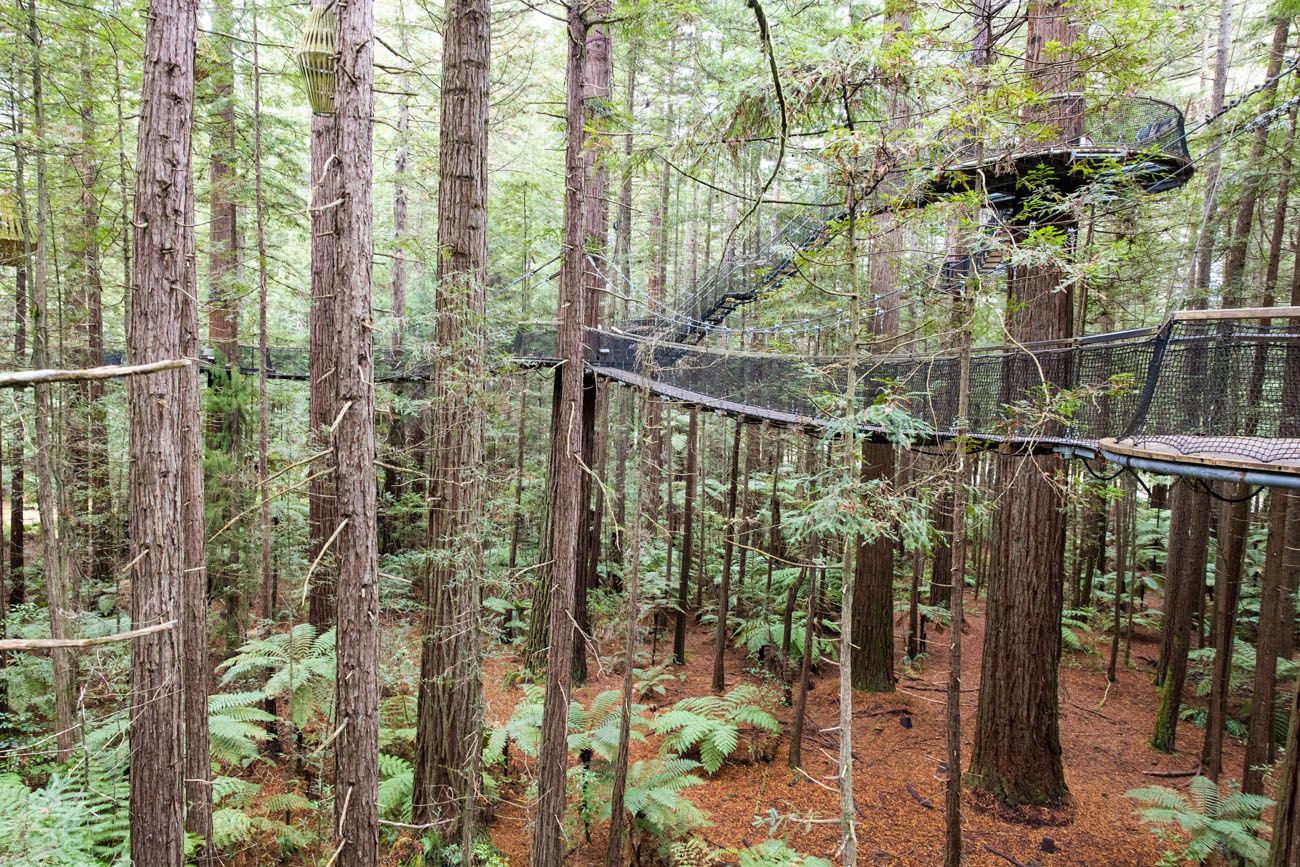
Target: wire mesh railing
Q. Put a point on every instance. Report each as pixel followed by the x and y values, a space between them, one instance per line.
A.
pixel 1226 385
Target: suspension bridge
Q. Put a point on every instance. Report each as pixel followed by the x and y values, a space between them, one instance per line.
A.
pixel 1208 394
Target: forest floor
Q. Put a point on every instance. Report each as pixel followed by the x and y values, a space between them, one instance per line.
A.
pixel 1104 735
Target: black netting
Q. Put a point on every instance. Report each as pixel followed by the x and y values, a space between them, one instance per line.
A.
pixel 1129 140
pixel 1220 387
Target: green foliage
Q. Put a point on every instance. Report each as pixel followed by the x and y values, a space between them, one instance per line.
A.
pixel 596 729
pixel 1073 622
pixel 63 824
pixel 79 817
pixel 297 665
pixel 776 853
pixel 653 797
pixel 1228 824
pixel 711 724
pixel 236 726
pixel 396 783
pixel 276 825
pixel 656 680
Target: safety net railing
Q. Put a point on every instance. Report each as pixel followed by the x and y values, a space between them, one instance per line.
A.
pixel 1135 139
pixel 1183 385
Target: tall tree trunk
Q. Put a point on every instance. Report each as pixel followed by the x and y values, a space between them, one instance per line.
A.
pixel 849 556
pixel 614 853
pixel 873 610
pixel 357 603
pixel 1203 255
pixel 598 62
pixel 688 537
pixel 1017 750
pixel 223 231
pixel 194 592
pixel 1234 523
pixel 623 260
pixel 97 507
pixel 1263 693
pixel 447 735
pixel 266 596
pixel 322 363
pixel 161 277
pixel 728 553
pixel 548 837
pixel 1284 850
pixel 1234 265
pixel 952 848
pixel 1188 523
pixel 55 549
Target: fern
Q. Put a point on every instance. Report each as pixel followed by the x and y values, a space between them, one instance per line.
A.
pixel 653 680
pixel 396 783
pixel 1073 622
pixel 297 665
pixel 65 823
pixel 1213 822
pixel 711 724
pixel 597 728
pixel 234 726
pixel 776 853
pixel 653 797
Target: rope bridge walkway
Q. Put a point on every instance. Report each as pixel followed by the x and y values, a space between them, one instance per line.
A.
pixel 1214 394
pixel 1210 394
pixel 1132 141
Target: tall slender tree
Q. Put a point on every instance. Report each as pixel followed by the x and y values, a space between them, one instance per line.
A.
pixel 161 276
pixel 1017 751
pixel 322 408
pixel 447 736
pixel 548 836
pixel 356 747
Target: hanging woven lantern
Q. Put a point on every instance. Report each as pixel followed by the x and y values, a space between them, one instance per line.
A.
pixel 316 59
pixel 13 245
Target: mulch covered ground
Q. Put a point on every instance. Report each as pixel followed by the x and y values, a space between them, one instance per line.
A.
pixel 897 767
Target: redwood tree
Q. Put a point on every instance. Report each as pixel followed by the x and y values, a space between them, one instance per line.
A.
pixel 548 835
pixel 447 729
pixel 322 512
pixel 356 820
pixel 160 279
pixel 1017 750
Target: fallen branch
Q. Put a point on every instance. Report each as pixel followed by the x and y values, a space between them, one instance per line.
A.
pixel 78 643
pixel 1003 855
pixel 920 799
pixel 28 378
pixel 1194 772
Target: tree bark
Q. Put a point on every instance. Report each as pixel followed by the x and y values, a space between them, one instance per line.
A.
pixel 161 277
pixel 194 593
pixel 614 853
pixel 873 609
pixel 688 537
pixel 1263 693
pixel 447 736
pixel 223 230
pixel 95 499
pixel 323 361
pixel 719 681
pixel 55 548
pixel 1284 851
pixel 1017 751
pixel 1234 523
pixel 548 836
pixel 356 748
pixel 1188 522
